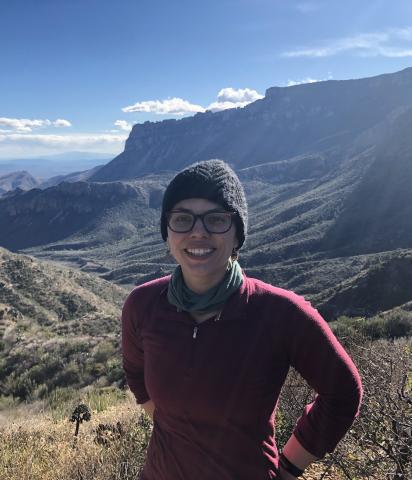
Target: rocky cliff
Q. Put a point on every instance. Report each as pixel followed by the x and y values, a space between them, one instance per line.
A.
pixel 290 121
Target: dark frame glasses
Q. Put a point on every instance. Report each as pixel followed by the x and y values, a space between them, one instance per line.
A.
pixel 214 221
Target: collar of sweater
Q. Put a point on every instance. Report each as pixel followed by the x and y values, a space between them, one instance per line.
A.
pixel 234 309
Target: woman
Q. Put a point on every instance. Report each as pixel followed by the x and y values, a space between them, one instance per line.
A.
pixel 206 351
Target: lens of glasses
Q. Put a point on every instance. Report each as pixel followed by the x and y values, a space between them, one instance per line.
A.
pixel 180 221
pixel 217 222
pixel 214 222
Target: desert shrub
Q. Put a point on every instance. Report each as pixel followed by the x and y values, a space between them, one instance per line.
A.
pixel 379 444
pixel 395 324
pixel 71 375
pixel 99 399
pixel 20 386
pixel 398 325
pixel 114 371
pixel 104 351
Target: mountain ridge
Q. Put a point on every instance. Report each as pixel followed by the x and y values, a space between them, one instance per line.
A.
pixel 324 207
pixel 289 121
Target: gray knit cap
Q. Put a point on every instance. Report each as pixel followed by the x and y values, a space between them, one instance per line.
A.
pixel 212 180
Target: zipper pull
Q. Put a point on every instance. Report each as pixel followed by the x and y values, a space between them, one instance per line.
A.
pixel 195 332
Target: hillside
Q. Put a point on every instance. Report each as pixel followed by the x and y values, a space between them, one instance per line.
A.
pixel 70 177
pixel 21 180
pixel 43 216
pixel 58 327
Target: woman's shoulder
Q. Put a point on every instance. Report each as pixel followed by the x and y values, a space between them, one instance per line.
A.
pixel 260 290
pixel 275 303
pixel 149 290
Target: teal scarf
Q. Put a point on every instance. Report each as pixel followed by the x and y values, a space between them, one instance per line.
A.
pixel 213 300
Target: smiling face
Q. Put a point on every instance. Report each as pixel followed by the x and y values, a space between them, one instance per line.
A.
pixel 202 256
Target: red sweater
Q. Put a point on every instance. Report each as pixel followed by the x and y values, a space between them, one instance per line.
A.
pixel 216 385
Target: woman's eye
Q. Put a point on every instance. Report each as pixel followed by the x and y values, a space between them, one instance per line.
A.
pixel 182 218
pixel 216 219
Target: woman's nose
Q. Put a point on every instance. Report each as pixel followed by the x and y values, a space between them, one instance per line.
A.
pixel 199 228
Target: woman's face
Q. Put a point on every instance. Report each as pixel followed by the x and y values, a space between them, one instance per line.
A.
pixel 203 256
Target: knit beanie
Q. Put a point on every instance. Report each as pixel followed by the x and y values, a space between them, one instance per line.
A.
pixel 212 180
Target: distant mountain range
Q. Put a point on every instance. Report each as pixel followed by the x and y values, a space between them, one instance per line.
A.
pixel 327 169
pixel 48 166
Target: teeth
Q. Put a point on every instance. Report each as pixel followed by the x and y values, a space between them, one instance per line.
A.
pixel 199 251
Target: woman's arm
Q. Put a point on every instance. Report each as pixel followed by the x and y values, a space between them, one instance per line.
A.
pixel 321 360
pixel 297 455
pixel 132 349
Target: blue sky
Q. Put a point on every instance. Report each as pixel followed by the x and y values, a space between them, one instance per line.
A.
pixel 77 74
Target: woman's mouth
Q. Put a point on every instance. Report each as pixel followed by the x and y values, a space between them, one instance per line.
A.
pixel 199 252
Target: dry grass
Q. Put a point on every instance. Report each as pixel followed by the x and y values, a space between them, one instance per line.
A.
pixel 37 448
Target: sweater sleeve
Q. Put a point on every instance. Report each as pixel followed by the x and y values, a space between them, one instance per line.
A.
pixel 322 361
pixel 133 354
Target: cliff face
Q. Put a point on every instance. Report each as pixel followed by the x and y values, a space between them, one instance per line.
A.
pixel 292 121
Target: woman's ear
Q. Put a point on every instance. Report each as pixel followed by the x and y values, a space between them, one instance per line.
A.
pixel 235 253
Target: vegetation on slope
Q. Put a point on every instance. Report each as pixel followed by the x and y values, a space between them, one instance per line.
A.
pixel 58 327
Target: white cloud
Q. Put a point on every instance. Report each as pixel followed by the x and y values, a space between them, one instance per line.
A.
pixel 395 43
pixel 51 140
pixel 238 96
pixel 170 106
pixel 226 98
pixel 61 122
pixel 123 125
pixel 27 125
pixel 19 145
pixel 232 98
pixel 292 83
pixel 23 124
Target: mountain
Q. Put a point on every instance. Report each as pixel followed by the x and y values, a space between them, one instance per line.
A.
pixel 82 176
pixel 53 165
pixel 43 216
pixel 378 215
pixel 326 169
pixel 58 327
pixel 287 122
pixel 22 180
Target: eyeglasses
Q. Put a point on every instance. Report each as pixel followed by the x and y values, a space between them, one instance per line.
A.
pixel 183 221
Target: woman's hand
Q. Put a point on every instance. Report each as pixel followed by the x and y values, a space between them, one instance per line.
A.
pixel 149 408
pixel 284 475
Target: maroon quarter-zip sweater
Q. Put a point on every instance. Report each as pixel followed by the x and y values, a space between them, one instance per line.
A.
pixel 215 385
